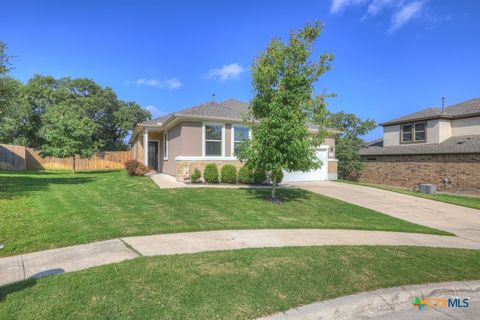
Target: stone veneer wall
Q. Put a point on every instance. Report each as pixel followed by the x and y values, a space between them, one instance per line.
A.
pixel 190 165
pixel 463 170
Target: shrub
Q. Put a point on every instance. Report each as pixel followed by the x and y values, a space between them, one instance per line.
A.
pixel 245 175
pixel 259 176
pixel 279 177
pixel 135 168
pixel 229 174
pixel 195 175
pixel 210 174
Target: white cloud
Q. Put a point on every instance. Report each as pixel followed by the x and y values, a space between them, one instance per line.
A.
pixel 339 5
pixel 171 84
pixel 402 11
pixel 227 72
pixel 405 14
pixel 376 6
pixel 154 111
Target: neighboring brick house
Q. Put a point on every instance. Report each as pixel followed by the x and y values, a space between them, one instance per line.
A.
pixel 209 133
pixel 435 145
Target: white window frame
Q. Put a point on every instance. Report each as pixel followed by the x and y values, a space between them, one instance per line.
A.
pixel 232 134
pixel 203 138
pixel 165 145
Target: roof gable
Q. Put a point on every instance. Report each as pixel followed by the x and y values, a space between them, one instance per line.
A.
pixel 463 109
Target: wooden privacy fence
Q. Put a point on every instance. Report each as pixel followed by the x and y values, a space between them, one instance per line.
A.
pixel 21 158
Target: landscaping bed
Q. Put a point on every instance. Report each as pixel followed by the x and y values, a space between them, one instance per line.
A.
pixel 242 284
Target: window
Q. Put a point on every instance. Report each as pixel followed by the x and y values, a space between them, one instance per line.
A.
pixel 413 132
pixel 407 132
pixel 165 145
pixel 213 137
pixel 240 134
pixel 420 131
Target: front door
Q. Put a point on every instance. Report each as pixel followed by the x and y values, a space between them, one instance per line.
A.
pixel 153 155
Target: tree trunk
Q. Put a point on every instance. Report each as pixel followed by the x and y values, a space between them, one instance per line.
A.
pixel 73 164
pixel 274 187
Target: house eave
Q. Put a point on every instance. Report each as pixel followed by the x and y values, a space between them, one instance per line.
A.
pixel 442 116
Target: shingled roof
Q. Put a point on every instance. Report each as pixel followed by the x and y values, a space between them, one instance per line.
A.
pixel 453 145
pixel 228 109
pixel 459 110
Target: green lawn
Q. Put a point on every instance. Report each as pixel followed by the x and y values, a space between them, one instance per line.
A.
pixel 242 284
pixel 41 210
pixel 461 200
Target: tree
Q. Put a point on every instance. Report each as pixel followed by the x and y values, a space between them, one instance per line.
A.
pixel 283 76
pixel 5 66
pixel 114 118
pixel 66 132
pixel 14 112
pixel 348 142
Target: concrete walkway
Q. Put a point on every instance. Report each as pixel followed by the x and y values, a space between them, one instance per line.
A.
pixel 43 263
pixel 461 221
pixel 392 303
pixel 165 181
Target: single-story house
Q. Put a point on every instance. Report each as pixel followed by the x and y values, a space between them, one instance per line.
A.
pixel 209 133
pixel 434 145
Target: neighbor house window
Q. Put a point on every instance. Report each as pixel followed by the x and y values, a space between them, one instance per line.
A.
pixel 165 146
pixel 213 139
pixel 240 134
pixel 413 132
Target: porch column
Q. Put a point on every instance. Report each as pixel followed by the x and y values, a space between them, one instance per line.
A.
pixel 145 147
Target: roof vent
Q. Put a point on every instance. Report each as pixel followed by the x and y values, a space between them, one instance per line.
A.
pixel 460 142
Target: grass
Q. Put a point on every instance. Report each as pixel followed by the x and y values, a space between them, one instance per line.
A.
pixel 461 200
pixel 242 284
pixel 42 210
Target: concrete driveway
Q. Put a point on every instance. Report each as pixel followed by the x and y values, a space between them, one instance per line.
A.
pixel 461 221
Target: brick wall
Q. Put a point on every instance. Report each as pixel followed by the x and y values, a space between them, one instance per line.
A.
pixel 408 171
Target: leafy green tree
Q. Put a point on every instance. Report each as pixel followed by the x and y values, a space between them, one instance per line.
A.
pixel 13 106
pixel 67 132
pixel 283 77
pixel 114 118
pixel 5 65
pixel 348 142
pixel 14 112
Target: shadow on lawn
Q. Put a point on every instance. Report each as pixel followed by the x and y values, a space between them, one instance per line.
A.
pixel 14 186
pixel 14 287
pixel 283 194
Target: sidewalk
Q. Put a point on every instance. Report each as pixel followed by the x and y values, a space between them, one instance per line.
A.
pixel 74 258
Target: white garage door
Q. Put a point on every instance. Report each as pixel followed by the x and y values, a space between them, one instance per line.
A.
pixel 313 175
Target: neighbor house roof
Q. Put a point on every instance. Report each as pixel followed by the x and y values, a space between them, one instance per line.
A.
pixel 453 145
pixel 459 110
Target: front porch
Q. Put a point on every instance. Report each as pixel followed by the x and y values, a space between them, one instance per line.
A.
pixel 149 148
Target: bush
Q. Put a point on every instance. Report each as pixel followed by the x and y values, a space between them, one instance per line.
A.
pixel 259 176
pixel 210 174
pixel 229 174
pixel 279 177
pixel 245 175
pixel 195 175
pixel 135 168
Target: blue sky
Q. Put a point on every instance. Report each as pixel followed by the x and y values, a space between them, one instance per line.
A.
pixel 392 56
